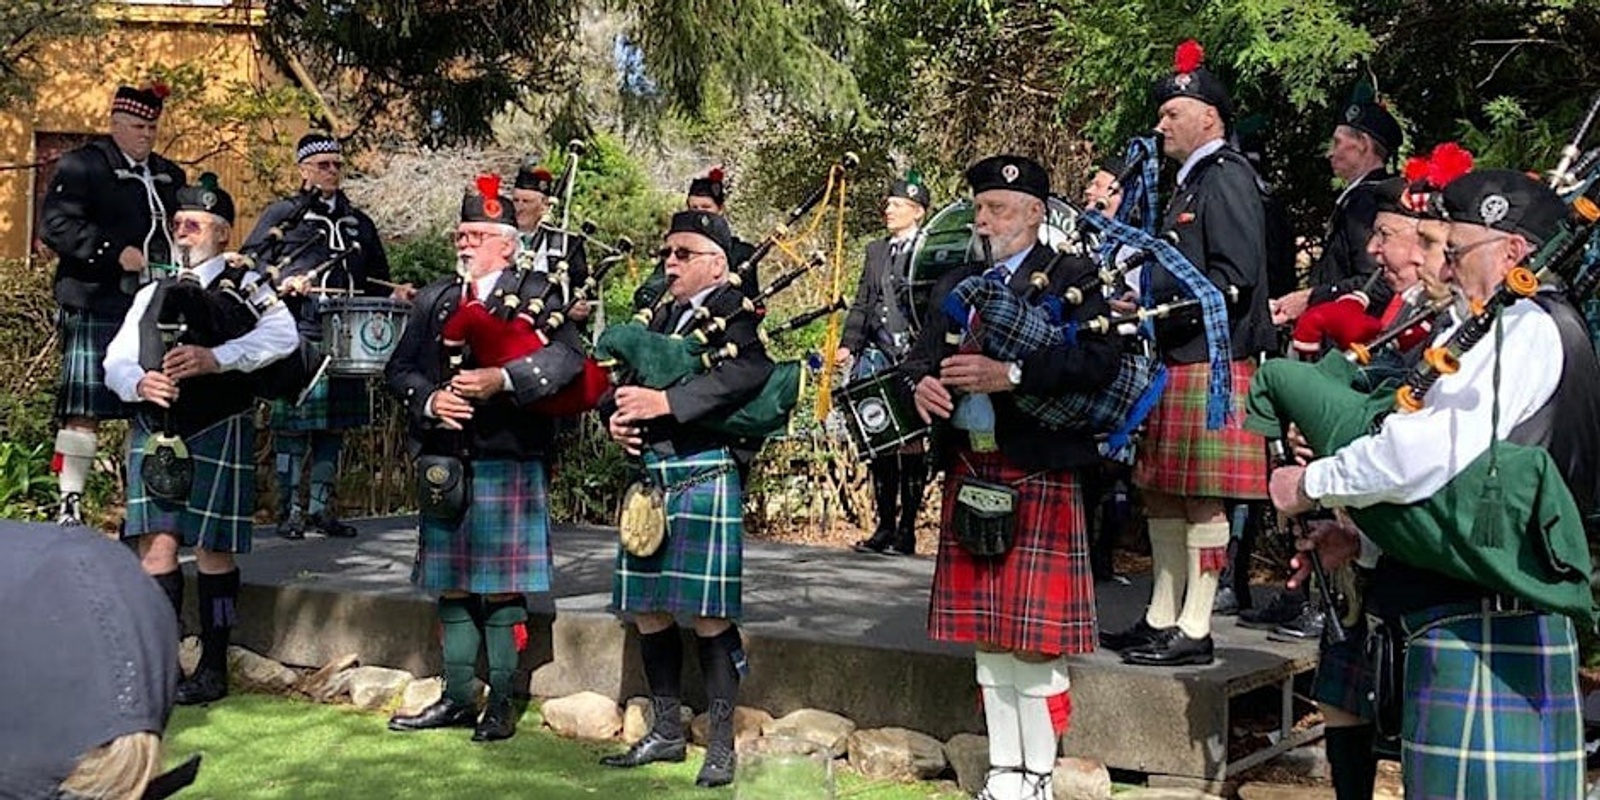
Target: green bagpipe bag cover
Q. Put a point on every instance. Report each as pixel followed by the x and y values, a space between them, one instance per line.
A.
pixel 1537 550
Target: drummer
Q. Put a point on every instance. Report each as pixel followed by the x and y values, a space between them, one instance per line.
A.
pixel 877 335
pixel 308 229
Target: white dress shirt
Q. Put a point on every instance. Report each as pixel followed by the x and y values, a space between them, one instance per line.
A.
pixel 1414 455
pixel 1194 158
pixel 273 337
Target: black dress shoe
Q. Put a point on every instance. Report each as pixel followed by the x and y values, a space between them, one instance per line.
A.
pixel 718 767
pixel 1306 626
pixel 1172 648
pixel 877 543
pixel 1139 635
pixel 1226 603
pixel 326 524
pixel 652 748
pixel 1283 608
pixel 442 714
pixel 293 528
pixel 499 721
pixel 204 686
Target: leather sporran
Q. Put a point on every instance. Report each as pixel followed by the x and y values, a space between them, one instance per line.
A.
pixel 444 487
pixel 985 519
pixel 167 470
pixel 642 523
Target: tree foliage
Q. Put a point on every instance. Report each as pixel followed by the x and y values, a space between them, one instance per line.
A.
pixel 26 26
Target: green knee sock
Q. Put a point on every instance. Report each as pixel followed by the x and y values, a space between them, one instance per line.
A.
pixel 502 620
pixel 461 619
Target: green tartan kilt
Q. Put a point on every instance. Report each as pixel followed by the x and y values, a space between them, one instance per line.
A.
pixel 217 516
pixel 85 335
pixel 501 544
pixel 699 569
pixel 1491 700
pixel 333 404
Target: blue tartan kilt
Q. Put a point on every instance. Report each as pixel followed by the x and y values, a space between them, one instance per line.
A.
pixel 700 567
pixel 1344 676
pixel 85 335
pixel 218 515
pixel 333 404
pixel 501 544
pixel 1491 700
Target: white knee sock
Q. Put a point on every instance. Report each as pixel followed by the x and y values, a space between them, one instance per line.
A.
pixel 1037 682
pixel 1195 622
pixel 997 677
pixel 1167 538
pixel 76 449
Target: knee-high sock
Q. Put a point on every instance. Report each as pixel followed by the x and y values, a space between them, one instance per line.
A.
pixel 722 662
pixel 1352 765
pixel 502 619
pixel 997 678
pixel 885 492
pixel 1037 682
pixel 171 584
pixel 913 480
pixel 325 448
pixel 461 624
pixel 75 457
pixel 662 653
pixel 289 463
pixel 1195 621
pixel 218 597
pixel 1167 555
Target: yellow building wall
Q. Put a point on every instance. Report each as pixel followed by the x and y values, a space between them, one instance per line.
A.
pixel 76 98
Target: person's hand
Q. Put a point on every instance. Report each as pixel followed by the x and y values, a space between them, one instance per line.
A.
pixel 157 388
pixel 1303 454
pixel 580 311
pixel 295 285
pixel 405 293
pixel 1289 307
pixel 451 409
pixel 625 434
pixel 479 384
pixel 131 259
pixel 637 404
pixel 1288 491
pixel 932 399
pixel 975 374
pixel 187 361
pixel 1336 543
pixel 1124 305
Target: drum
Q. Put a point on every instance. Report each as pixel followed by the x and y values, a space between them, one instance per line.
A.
pixel 946 242
pixel 879 413
pixel 360 333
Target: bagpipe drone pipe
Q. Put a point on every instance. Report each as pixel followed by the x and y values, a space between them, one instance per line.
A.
pixel 1508 521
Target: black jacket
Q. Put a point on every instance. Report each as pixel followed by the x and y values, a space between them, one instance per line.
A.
pixel 1086 366
pixel 501 427
pixel 715 392
pixel 1220 226
pixel 881 311
pixel 556 243
pixel 94 208
pixel 306 220
pixel 1345 265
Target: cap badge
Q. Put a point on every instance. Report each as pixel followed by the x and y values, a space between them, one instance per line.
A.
pixel 208 200
pixel 1493 209
pixel 705 222
pixel 911 191
pixel 1010 173
pixel 1352 113
pixel 1182 81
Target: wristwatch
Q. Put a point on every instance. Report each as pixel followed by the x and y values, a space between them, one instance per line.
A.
pixel 1014 373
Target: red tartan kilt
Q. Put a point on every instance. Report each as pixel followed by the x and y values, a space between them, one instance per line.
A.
pixel 1039 596
pixel 1178 456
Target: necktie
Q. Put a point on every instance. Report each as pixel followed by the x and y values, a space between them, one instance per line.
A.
pixel 996 273
pixel 680 316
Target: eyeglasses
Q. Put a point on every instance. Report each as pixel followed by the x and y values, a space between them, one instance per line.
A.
pixel 325 166
pixel 1453 254
pixel 682 253
pixel 189 225
pixel 473 238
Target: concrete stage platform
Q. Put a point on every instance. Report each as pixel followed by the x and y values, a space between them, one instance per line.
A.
pixel 825 628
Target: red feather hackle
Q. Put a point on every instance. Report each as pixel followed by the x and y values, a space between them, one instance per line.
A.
pixel 1448 162
pixel 488 185
pixel 715 175
pixel 1188 57
pixel 160 89
pixel 1416 169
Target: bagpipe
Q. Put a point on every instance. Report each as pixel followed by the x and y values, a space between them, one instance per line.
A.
pixel 1462 530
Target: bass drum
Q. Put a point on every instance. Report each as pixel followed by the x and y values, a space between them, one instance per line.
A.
pixel 947 242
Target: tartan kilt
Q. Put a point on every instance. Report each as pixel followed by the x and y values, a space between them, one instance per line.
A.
pixel 1178 456
pixel 501 544
pixel 699 570
pixel 1039 596
pixel 85 335
pixel 218 516
pixel 333 404
pixel 1344 677
pixel 1491 700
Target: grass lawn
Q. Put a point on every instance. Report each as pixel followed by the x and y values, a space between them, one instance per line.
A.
pixel 257 746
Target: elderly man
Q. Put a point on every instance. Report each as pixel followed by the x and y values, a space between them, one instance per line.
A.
pixel 482 549
pixel 1488 701
pixel 1363 143
pixel 1186 470
pixel 697 571
pixel 877 335
pixel 709 194
pixel 106 216
pixel 1025 609
pixel 543 245
pixel 314 227
pixel 196 397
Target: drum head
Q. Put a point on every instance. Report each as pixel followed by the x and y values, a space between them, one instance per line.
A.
pixel 946 242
